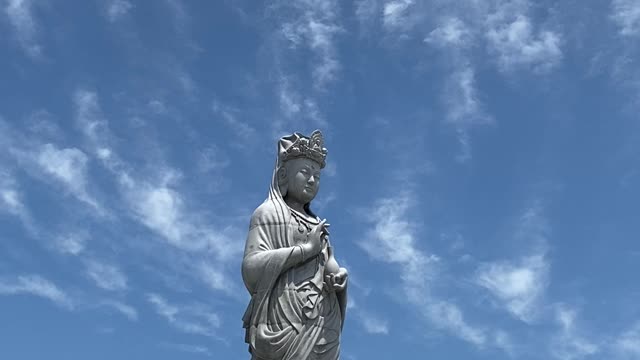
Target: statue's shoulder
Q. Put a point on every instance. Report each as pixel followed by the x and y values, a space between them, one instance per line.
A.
pixel 264 214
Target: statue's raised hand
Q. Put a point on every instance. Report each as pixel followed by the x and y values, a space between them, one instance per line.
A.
pixel 315 240
pixel 337 281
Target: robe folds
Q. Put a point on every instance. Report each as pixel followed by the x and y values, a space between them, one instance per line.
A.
pixel 291 315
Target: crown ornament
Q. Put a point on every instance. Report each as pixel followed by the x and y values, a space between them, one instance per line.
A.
pixel 298 145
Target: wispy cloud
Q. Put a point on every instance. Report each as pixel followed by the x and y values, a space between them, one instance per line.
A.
pixel 106 276
pixel 191 319
pixel 154 200
pixel 303 32
pixel 516 44
pixel 37 286
pixel 451 31
pixel 21 17
pixel 127 310
pixel 372 323
pixel 240 128
pixel 69 167
pixel 392 240
pixel 12 200
pixel 315 26
pixel 628 343
pixel 464 110
pixel 71 243
pixel 569 343
pixel 91 121
pixel 189 348
pixel 626 14
pixel 117 9
pixel 519 286
pixel 394 14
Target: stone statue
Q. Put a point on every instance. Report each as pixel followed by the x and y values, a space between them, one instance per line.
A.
pixel 298 291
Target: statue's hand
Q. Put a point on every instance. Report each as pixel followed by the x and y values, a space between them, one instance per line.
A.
pixel 316 239
pixel 337 281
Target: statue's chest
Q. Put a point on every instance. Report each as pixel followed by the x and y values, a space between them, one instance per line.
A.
pixel 309 269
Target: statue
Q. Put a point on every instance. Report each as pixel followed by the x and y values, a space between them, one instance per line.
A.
pixel 298 291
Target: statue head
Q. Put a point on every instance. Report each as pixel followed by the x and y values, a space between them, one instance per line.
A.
pixel 300 160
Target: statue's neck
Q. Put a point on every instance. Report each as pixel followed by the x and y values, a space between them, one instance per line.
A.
pixel 300 209
pixel 295 205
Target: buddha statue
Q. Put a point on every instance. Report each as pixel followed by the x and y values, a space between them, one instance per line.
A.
pixel 298 290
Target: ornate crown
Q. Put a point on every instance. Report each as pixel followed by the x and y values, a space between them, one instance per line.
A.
pixel 298 145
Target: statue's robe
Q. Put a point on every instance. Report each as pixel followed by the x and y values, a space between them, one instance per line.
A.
pixel 292 315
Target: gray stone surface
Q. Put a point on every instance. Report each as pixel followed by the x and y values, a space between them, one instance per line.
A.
pixel 298 290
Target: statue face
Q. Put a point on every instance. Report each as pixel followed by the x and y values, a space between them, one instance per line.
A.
pixel 303 176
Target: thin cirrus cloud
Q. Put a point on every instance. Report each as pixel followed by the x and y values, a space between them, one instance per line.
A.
pixel 308 35
pixel 192 319
pixel 37 286
pixel 117 9
pixel 155 201
pixel 569 343
pixel 188 348
pixel 69 167
pixel 127 310
pixel 519 285
pixel 626 14
pixel 13 200
pixel 374 325
pixel 25 26
pixel 315 27
pixel 392 241
pixel 628 343
pixel 516 44
pixel 106 276
pixel 71 243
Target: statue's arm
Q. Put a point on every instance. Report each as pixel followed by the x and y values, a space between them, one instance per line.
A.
pixel 341 293
pixel 258 254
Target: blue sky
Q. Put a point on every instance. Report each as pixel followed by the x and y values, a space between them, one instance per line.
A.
pixel 481 181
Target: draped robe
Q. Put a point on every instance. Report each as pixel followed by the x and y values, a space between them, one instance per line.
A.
pixel 292 315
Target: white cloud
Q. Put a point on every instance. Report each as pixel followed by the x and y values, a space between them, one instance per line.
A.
pixel 626 14
pixel 569 343
pixel 90 119
pixel 464 109
pixel 241 129
pixel 35 285
pixel 127 310
pixel 20 13
pixel 392 240
pixel 628 343
pixel 154 200
pixel 395 12
pixel 213 277
pixel 117 9
pixel 11 199
pixel 366 13
pixel 451 32
pixel 71 243
pixel 315 25
pixel 212 158
pixel 194 319
pixel 296 108
pixel 504 341
pixel 190 348
pixel 68 166
pixel 371 323
pixel 516 44
pixel 106 276
pixel 520 286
